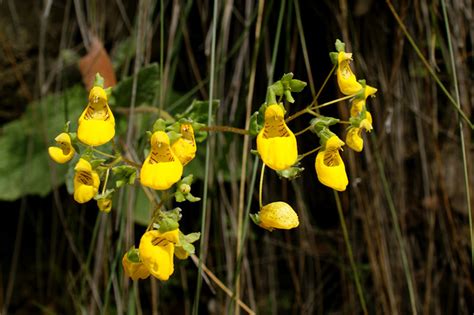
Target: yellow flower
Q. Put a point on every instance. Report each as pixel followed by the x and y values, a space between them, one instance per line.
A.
pixel 86 182
pixel 354 139
pixel 330 166
pixel 358 103
pixel 104 204
pixel 156 252
pixel 278 215
pixel 161 168
pixel 133 267
pixel 64 152
pixel 185 147
pixel 346 79
pixel 354 134
pixel 276 144
pixel 180 253
pixel 97 123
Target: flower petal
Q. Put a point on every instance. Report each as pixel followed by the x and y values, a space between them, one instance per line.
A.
pixel 278 215
pixel 135 270
pixel 354 140
pixel 86 181
pixel 330 166
pixel 346 79
pixel 161 168
pixel 157 250
pixel 276 143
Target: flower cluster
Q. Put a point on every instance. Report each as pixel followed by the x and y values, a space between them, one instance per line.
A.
pixel 277 144
pixel 171 148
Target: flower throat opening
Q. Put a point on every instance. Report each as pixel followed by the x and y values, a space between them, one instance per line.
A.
pixel 275 127
pixel 85 178
pixel 331 157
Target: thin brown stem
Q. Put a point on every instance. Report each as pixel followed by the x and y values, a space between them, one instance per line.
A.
pixel 226 129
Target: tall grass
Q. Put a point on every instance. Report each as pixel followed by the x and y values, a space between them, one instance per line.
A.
pixel 407 210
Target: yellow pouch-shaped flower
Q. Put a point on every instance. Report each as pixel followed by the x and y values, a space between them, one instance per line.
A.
pixel 354 139
pixel 330 166
pixel 358 103
pixel 96 124
pixel 156 252
pixel 104 205
pixel 278 215
pixel 276 144
pixel 134 269
pixel 161 168
pixel 354 134
pixel 180 253
pixel 346 79
pixel 64 152
pixel 86 181
pixel 185 147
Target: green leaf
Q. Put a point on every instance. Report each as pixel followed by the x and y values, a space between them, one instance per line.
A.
pixel 133 255
pixel 277 88
pixel 159 125
pixel 286 78
pixel 191 198
pixel 24 160
pixel 297 85
pixel 99 80
pixel 291 173
pixel 124 174
pixel 147 85
pixel 334 57
pixel 192 237
pixel 198 111
pixel 179 196
pixel 255 218
pixel 167 224
pixel 319 123
pixel 255 124
pixel 340 46
pixel 289 97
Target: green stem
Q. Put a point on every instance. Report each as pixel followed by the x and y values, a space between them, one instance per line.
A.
pixel 427 65
pixel 303 131
pixel 324 83
pixel 461 133
pixel 103 153
pixel 398 232
pixel 260 187
pixel 311 106
pixel 302 156
pixel 349 252
pixel 207 165
pixel 106 180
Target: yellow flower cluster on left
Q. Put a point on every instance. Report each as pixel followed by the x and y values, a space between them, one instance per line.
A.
pixel 96 126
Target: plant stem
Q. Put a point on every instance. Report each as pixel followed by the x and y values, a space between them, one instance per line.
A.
pixel 303 131
pixel 260 187
pixel 302 156
pixel 461 133
pixel 427 65
pixel 225 129
pixel 396 224
pixel 207 165
pixel 103 153
pixel 349 252
pixel 311 107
